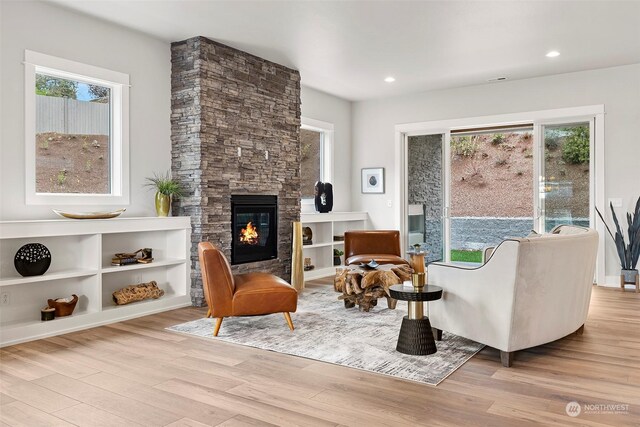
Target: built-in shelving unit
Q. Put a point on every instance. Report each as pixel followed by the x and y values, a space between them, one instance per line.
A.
pixel 81 252
pixel 324 227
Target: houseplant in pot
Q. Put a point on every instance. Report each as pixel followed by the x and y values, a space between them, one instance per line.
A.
pixel 166 188
pixel 627 252
pixel 337 253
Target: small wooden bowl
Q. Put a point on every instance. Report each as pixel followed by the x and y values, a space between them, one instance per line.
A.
pixel 64 308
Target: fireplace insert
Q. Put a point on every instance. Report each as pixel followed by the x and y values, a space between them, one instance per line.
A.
pixel 254 228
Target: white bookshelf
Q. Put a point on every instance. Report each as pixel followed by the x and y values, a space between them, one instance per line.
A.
pixel 324 226
pixel 81 252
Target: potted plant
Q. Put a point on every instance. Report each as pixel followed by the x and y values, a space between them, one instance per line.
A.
pixel 627 252
pixel 337 253
pixel 166 188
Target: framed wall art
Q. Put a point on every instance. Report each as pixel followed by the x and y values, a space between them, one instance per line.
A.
pixel 373 180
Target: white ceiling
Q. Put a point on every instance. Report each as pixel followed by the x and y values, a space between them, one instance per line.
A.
pixel 347 48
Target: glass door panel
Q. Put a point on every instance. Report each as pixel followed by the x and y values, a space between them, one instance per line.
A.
pixel 565 175
pixel 425 194
pixel 491 190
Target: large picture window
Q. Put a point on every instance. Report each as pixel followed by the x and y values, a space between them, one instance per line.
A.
pixel 316 139
pixel 76 131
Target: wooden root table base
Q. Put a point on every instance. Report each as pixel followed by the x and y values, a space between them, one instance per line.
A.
pixel 364 287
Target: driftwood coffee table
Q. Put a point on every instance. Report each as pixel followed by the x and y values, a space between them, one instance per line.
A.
pixel 363 286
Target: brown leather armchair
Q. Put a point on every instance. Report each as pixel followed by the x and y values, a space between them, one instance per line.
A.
pixel 365 245
pixel 247 294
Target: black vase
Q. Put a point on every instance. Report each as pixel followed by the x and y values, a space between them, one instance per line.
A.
pixel 33 259
pixel 323 197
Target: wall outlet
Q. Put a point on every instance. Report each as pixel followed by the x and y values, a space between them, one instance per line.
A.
pixel 5 298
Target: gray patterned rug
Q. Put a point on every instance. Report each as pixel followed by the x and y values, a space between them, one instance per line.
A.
pixel 328 332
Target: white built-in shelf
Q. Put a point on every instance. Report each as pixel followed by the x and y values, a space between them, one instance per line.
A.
pixel 318 245
pixel 166 299
pixel 68 274
pixel 81 252
pixel 324 226
pixel 154 264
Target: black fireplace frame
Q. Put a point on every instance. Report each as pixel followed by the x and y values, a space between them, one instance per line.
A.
pixel 260 204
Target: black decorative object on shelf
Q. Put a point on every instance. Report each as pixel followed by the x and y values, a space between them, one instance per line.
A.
pixel 323 197
pixel 33 259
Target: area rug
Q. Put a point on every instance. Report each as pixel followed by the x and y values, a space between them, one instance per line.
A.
pixel 326 331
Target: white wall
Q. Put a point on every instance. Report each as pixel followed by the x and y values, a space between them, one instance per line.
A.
pixel 617 88
pixel 328 108
pixel 56 31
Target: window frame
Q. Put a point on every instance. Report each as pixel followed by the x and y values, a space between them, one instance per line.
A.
pixel 39 63
pixel 326 130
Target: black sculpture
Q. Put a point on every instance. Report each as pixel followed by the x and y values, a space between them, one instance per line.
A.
pixel 324 197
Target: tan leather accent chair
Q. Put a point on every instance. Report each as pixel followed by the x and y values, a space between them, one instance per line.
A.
pixel 247 294
pixel 365 245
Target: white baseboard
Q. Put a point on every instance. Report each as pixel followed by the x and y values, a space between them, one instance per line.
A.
pixel 611 282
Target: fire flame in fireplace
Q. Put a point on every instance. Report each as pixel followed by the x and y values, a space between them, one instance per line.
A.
pixel 249 235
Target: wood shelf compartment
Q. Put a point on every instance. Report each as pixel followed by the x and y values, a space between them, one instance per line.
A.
pixel 25 301
pixel 69 255
pixel 62 274
pixel 81 253
pixel 165 245
pixel 155 264
pixel 164 277
pixel 328 225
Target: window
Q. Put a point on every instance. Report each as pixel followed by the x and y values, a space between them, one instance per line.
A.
pixel 76 133
pixel 316 139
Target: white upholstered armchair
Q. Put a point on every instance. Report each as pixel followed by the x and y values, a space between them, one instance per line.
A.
pixel 531 291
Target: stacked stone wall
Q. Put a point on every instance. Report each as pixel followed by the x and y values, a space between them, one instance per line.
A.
pixel 224 100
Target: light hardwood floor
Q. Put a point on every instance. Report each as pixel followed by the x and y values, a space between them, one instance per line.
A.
pixel 136 373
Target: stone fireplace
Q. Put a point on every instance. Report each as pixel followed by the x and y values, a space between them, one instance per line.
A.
pixel 254 228
pixel 235 126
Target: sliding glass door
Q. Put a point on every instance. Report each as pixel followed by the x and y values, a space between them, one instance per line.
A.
pixel 425 194
pixel 491 189
pixel 566 171
pixel 470 189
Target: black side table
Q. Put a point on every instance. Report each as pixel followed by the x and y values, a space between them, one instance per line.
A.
pixel 416 337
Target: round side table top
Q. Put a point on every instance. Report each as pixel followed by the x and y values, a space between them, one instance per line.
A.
pixel 406 293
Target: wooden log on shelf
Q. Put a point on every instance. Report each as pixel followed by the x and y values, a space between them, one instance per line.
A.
pixel 363 287
pixel 138 292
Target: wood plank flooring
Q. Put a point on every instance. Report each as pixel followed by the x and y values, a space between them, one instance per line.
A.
pixel 136 373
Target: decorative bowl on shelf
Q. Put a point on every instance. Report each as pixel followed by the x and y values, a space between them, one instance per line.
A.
pixel 89 215
pixel 64 306
pixel 307 236
pixel 32 259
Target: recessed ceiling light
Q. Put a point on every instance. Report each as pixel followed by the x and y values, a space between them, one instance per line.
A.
pixel 390 79
pixel 553 54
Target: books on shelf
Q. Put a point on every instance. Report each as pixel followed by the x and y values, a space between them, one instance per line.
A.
pixel 124 261
pixel 129 261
